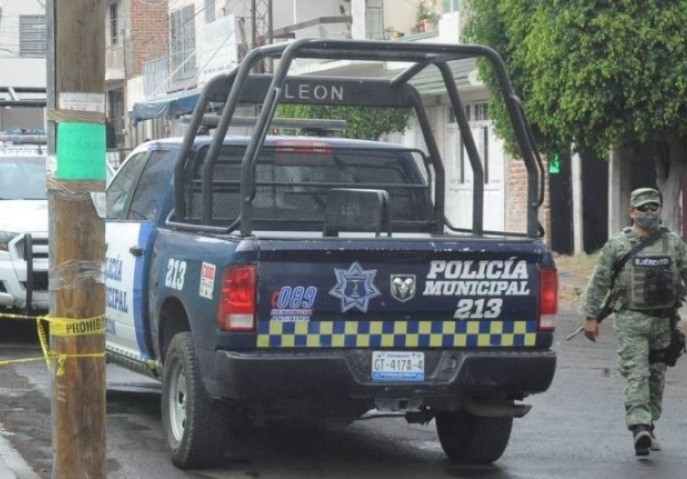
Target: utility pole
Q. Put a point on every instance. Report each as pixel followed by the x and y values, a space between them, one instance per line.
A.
pixel 76 132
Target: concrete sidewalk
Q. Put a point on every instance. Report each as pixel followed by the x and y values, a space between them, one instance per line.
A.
pixel 12 465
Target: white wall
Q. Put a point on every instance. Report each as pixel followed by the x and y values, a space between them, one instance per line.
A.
pixel 134 92
pixel 22 72
pixel 305 10
pixel 400 14
pixel 449 28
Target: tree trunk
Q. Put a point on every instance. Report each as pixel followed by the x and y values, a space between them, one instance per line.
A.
pixel 670 160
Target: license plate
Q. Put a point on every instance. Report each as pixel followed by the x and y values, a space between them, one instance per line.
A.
pixel 398 366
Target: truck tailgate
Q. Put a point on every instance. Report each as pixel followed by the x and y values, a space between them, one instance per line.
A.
pixel 400 294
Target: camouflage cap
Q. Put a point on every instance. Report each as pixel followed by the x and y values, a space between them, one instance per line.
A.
pixel 642 196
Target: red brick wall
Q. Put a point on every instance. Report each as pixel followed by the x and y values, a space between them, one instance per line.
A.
pixel 516 200
pixel 149 33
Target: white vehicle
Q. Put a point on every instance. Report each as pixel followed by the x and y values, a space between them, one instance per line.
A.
pixel 23 228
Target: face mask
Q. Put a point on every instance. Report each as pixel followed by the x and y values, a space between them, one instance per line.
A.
pixel 650 222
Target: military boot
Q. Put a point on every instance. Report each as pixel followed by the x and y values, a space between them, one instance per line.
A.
pixel 642 437
pixel 655 445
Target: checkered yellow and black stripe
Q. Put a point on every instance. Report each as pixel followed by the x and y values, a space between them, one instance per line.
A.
pixel 396 334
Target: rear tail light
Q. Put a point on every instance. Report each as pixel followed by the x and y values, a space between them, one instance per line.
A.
pixel 238 304
pixel 548 298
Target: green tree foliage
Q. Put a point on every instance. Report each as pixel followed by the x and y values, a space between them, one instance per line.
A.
pixel 593 73
pixel 365 124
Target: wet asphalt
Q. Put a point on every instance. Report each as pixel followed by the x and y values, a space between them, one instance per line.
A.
pixel 574 430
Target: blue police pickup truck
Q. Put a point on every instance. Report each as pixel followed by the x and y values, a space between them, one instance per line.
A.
pixel 272 276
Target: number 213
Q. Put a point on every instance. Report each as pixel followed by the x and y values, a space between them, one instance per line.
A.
pixel 176 273
pixel 478 308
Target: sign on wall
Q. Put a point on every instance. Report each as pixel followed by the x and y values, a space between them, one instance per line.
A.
pixel 218 51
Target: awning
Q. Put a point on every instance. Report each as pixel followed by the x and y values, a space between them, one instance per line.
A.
pixel 22 97
pixel 168 106
pixel 430 82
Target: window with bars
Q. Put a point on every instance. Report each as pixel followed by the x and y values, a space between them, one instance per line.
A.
pixel 450 6
pixel 114 23
pixel 480 112
pixel 32 36
pixel 183 43
pixel 116 115
pixel 374 20
pixel 474 112
pixel 209 11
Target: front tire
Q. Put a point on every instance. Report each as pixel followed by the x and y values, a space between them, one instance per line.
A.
pixel 193 422
pixel 466 438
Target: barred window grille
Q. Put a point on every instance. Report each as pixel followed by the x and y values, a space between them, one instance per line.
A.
pixel 183 43
pixel 32 36
pixel 374 20
pixel 209 11
pixel 114 23
pixel 474 113
pixel 116 115
pixel 155 77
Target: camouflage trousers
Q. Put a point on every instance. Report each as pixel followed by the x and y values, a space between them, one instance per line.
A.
pixel 637 334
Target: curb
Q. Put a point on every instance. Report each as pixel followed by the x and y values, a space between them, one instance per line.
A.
pixel 12 465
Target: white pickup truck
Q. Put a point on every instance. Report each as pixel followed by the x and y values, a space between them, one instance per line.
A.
pixel 23 228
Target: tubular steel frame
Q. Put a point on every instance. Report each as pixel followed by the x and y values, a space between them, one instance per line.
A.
pixel 240 86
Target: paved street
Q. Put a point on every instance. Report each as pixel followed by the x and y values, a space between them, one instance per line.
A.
pixel 575 430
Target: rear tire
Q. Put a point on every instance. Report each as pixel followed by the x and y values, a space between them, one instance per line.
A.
pixel 466 438
pixel 193 422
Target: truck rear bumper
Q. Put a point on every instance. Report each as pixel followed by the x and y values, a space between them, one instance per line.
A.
pixel 347 373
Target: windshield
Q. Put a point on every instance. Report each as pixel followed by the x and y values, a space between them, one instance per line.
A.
pixel 22 178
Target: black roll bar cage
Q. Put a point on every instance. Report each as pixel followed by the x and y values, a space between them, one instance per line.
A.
pixel 240 86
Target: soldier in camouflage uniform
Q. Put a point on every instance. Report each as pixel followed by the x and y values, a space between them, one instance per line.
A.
pixel 643 296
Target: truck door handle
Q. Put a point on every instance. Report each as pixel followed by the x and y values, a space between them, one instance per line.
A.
pixel 136 251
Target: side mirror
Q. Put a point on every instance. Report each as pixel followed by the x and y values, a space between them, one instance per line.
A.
pixel 99 199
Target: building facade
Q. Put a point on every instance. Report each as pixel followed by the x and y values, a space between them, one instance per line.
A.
pixel 205 37
pixel 136 33
pixel 23 44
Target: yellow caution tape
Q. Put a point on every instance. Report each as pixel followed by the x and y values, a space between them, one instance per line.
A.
pixel 27 360
pixel 4 315
pixel 82 327
pixel 59 327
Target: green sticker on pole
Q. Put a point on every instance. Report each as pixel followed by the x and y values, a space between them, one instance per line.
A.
pixel 555 164
pixel 80 151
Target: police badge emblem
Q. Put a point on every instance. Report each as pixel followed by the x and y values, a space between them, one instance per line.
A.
pixel 355 287
pixel 402 287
